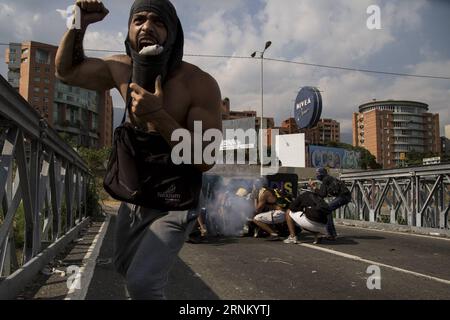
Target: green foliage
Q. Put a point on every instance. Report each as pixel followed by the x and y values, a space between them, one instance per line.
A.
pixel 96 161
pixel 93 199
pixel 414 158
pixel 19 227
pixel 68 139
pixel 401 220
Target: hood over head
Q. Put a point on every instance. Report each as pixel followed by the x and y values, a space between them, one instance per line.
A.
pixel 147 68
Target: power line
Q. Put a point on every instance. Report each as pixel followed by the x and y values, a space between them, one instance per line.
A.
pixel 361 70
pixel 289 62
pixel 327 66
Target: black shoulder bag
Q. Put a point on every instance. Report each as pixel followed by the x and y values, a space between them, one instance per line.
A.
pixel 140 171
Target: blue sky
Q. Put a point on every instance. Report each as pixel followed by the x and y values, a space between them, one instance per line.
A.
pixel 412 40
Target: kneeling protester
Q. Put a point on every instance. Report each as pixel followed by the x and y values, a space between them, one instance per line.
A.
pixel 310 211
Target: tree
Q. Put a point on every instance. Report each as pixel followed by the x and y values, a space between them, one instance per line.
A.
pixel 68 139
pixel 96 159
pixel 414 158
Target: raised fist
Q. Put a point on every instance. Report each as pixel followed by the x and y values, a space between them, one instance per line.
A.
pixel 92 11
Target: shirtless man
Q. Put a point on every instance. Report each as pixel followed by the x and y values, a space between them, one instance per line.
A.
pixel 147 240
pixel 269 212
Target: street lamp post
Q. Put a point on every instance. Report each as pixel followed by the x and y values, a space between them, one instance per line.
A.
pixel 261 57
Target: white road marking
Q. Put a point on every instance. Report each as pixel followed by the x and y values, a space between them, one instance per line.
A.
pixel 400 233
pixel 87 271
pixel 357 258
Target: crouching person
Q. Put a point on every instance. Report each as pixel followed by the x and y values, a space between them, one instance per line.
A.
pixel 271 210
pixel 309 211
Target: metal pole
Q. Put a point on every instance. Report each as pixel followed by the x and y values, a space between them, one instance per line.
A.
pixel 261 126
pixel 262 114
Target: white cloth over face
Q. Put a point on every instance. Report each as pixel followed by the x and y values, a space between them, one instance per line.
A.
pixel 151 50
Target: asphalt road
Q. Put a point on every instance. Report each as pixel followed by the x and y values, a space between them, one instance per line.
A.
pixel 411 267
pixel 417 267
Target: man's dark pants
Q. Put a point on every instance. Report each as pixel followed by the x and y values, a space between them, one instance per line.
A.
pixel 335 204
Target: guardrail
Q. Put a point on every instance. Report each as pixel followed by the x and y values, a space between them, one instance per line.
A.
pixel 415 196
pixel 41 177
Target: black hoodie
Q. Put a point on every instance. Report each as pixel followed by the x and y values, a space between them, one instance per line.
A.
pixel 147 68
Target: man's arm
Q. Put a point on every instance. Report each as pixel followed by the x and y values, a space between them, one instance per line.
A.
pixel 323 190
pixel 72 66
pixel 261 202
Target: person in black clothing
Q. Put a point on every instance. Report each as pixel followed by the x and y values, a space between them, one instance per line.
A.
pixel 331 187
pixel 310 212
pixel 166 95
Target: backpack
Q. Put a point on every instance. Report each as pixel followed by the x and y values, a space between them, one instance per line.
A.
pixel 318 209
pixel 337 188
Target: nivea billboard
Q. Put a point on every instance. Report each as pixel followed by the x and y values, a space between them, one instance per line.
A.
pixel 308 107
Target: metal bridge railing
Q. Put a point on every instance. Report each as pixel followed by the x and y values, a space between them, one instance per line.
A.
pixel 41 178
pixel 415 196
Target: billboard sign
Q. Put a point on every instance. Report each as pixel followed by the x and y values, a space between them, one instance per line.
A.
pixel 308 107
pixel 334 158
pixel 245 140
pixel 290 149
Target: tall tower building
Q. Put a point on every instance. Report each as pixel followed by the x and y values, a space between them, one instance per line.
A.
pixel 390 129
pixel 78 113
pixel 447 131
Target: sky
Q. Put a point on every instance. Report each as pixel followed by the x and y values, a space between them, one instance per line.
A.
pixel 413 39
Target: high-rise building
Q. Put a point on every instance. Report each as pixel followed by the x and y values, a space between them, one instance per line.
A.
pixel 225 108
pixel 290 126
pixel 445 141
pixel 445 146
pixel 83 115
pixel 390 129
pixel 13 60
pixel 327 130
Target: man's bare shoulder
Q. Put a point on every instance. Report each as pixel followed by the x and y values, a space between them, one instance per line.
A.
pixel 119 58
pixel 200 82
pixel 117 64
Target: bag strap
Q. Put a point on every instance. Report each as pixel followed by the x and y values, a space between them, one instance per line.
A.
pixel 128 98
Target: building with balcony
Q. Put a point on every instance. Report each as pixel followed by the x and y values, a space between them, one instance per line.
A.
pixel 83 115
pixel 327 130
pixel 390 129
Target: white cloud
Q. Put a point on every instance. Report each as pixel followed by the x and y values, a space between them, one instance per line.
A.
pixel 36 17
pixel 103 40
pixel 321 31
pixel 436 93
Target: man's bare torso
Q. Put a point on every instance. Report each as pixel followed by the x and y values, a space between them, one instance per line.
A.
pixel 268 201
pixel 180 90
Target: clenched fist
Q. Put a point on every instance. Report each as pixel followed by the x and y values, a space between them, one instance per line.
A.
pixel 92 11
